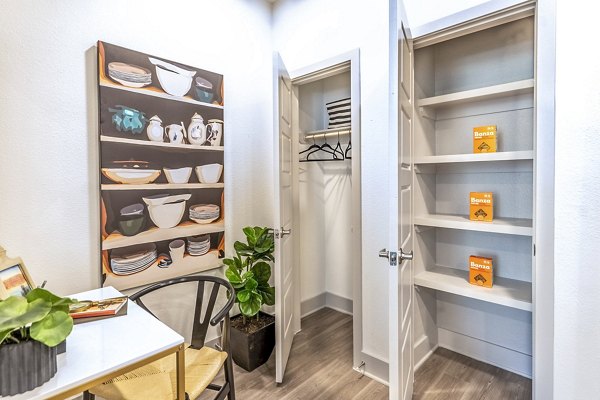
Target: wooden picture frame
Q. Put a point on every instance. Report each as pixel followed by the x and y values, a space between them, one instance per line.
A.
pixel 13 276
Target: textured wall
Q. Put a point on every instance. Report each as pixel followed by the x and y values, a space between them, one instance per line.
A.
pixel 48 101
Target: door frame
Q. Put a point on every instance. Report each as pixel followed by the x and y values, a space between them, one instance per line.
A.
pixel 349 61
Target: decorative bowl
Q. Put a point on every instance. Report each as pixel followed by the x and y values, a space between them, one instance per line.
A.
pixel 160 199
pixel 178 175
pixel 173 83
pixel 209 173
pixel 167 215
pixel 131 176
pixel 132 225
pixel 127 119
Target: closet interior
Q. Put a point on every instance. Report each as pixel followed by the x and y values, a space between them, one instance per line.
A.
pixel 477 78
pixel 324 211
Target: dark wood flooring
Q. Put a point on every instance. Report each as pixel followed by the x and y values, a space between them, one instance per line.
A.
pixel 320 367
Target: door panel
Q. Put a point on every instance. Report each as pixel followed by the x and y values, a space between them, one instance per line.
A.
pixel 401 234
pixel 285 291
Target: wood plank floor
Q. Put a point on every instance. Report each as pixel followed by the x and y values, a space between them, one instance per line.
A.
pixel 320 367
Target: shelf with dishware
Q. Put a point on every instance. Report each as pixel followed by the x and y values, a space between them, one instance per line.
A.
pixel 186 266
pixel 161 186
pixel 155 234
pixel 156 92
pixel 165 145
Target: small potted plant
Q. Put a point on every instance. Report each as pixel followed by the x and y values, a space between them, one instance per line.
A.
pixel 249 271
pixel 31 328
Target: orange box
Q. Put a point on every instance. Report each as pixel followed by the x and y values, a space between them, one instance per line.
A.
pixel 481 206
pixel 484 139
pixel 481 272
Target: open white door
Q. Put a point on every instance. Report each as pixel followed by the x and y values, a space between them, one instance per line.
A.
pixel 286 317
pixel 401 236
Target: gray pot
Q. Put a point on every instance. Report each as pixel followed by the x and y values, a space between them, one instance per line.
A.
pixel 25 366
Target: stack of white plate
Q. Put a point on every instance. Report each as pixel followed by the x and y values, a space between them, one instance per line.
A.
pixel 198 245
pixel 129 75
pixel 130 260
pixel 204 213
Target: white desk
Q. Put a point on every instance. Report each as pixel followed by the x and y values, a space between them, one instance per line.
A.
pixel 101 350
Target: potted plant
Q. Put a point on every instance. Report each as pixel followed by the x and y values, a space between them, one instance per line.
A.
pixel 31 328
pixel 249 271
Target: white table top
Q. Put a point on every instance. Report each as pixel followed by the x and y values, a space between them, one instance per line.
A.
pixel 98 348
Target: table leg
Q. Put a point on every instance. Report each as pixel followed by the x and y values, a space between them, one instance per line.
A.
pixel 180 373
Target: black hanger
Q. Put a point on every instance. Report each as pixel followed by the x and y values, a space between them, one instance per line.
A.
pixel 313 146
pixel 338 148
pixel 348 150
pixel 326 148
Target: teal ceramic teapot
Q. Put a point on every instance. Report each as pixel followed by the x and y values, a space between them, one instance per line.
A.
pixel 127 119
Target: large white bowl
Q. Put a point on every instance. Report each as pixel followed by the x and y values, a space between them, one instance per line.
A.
pixel 167 215
pixel 160 199
pixel 131 176
pixel 173 83
pixel 179 175
pixel 209 173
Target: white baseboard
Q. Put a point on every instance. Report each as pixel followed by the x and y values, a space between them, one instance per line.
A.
pixel 325 299
pixel 374 368
pixel 502 357
pixel 422 351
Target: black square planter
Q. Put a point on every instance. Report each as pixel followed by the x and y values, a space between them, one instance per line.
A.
pixel 250 351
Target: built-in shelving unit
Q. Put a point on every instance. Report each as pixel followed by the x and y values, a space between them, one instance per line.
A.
pixel 142 142
pixel 116 240
pixel 154 92
pixel 484 93
pixel 509 226
pixel 505 292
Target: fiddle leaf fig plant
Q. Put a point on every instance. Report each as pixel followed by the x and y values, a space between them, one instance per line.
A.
pixel 40 316
pixel 249 270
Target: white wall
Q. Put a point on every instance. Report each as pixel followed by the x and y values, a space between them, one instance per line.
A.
pixel 577 223
pixel 48 101
pixel 310 31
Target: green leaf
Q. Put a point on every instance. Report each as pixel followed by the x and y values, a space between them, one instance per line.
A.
pixel 233 276
pixel 16 312
pixel 268 294
pixel 243 249
pixel 251 284
pixel 243 295
pixel 251 307
pixel 58 303
pixel 229 262
pixel 261 271
pixel 53 329
pixel 250 236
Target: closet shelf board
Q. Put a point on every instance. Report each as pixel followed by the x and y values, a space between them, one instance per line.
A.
pixel 116 240
pixel 154 92
pixel 163 186
pixel 484 93
pixel 140 142
pixel 509 226
pixel 505 292
pixel 472 157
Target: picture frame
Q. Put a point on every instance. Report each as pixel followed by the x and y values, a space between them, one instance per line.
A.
pixel 14 277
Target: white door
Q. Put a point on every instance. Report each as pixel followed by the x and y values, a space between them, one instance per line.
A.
pixel 401 238
pixel 286 317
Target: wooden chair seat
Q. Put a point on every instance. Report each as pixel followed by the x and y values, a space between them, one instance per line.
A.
pixel 158 379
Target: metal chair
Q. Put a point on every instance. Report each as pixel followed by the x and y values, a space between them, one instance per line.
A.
pixel 157 380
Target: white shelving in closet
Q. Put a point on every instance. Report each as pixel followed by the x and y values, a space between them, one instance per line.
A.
pixel 485 77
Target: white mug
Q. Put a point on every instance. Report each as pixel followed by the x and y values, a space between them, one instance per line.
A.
pixel 214 131
pixel 176 249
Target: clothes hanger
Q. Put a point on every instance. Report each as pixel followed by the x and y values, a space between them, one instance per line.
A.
pixel 338 148
pixel 311 147
pixel 348 150
pixel 326 148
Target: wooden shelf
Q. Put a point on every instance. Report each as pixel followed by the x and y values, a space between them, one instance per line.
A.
pixel 489 92
pixel 480 157
pixel 155 92
pixel 116 240
pixel 162 186
pixel 509 226
pixel 189 265
pixel 141 142
pixel 505 292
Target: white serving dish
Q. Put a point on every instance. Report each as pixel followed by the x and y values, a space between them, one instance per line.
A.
pixel 160 199
pixel 209 173
pixel 171 67
pixel 131 176
pixel 173 83
pixel 167 215
pixel 178 175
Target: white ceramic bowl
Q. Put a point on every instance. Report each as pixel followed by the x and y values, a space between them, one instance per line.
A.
pixel 160 199
pixel 131 176
pixel 209 173
pixel 178 175
pixel 173 83
pixel 167 215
